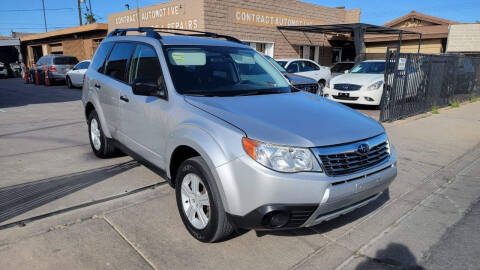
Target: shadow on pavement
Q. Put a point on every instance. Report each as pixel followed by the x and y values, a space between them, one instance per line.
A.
pixel 404 259
pixel 18 199
pixel 334 223
pixel 14 93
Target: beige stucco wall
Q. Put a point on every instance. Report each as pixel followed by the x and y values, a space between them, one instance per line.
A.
pixel 408 46
pixel 464 38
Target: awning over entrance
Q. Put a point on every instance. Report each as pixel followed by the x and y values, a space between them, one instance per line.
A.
pixel 357 30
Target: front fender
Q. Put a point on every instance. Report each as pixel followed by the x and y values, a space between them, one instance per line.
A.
pixel 214 152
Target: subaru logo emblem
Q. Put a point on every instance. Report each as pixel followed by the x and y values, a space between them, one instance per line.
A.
pixel 363 149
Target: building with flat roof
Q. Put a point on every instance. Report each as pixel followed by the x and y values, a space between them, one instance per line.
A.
pixel 254 22
pixel 80 41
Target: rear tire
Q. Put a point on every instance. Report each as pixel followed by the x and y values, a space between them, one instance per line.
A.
pixel 69 82
pixel 102 146
pixel 215 225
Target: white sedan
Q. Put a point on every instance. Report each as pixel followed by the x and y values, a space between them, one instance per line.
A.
pixel 362 85
pixel 75 75
pixel 307 68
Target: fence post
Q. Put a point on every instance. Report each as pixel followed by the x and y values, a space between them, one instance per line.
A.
pixel 405 84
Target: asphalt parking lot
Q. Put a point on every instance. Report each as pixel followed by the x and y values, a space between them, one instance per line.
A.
pixel 61 207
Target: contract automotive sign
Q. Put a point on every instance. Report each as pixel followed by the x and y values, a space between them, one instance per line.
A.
pixel 265 19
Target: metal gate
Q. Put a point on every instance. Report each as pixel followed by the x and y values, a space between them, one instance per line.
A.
pixel 417 83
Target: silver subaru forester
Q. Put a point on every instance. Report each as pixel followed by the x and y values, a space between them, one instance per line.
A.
pixel 240 145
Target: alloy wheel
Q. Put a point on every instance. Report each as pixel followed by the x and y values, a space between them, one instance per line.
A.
pixel 195 201
pixel 95 134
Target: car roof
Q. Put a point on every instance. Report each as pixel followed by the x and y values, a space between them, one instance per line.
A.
pixel 182 40
pixel 293 59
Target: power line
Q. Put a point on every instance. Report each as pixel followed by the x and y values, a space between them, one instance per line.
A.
pixel 35 9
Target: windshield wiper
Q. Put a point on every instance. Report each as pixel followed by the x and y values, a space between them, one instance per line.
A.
pixel 258 92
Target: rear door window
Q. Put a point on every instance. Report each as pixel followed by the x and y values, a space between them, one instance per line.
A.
pixel 116 66
pixel 100 56
pixel 65 60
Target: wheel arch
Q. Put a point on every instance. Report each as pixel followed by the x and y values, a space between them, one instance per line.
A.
pixel 91 106
pixel 190 141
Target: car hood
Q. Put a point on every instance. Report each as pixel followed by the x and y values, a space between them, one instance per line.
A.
pixel 359 79
pixel 297 79
pixel 297 119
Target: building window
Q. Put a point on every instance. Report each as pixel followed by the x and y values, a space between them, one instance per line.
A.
pixel 262 47
pixel 310 52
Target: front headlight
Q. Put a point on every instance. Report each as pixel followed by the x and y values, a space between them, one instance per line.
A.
pixel 281 158
pixel 376 85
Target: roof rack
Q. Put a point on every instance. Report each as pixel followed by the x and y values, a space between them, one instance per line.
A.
pixel 123 31
pixel 154 33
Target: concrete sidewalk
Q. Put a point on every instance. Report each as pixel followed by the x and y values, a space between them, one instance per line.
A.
pixel 437 182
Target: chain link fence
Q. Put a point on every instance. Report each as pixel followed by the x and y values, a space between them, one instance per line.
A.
pixel 417 83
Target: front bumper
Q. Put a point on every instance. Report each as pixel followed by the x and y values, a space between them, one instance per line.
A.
pixel 363 97
pixel 254 193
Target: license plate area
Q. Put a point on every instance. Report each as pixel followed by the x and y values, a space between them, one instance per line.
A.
pixel 342 94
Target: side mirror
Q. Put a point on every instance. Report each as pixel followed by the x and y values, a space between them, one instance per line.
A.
pixel 148 88
pixel 347 71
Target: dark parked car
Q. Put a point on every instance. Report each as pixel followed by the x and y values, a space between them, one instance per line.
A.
pixel 300 82
pixel 57 65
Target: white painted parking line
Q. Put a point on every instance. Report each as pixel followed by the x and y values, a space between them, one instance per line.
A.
pixel 2 110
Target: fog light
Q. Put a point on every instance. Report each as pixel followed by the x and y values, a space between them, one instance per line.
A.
pixel 325 95
pixel 368 98
pixel 276 219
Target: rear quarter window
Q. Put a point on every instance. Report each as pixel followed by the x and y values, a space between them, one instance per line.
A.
pixel 100 56
pixel 65 61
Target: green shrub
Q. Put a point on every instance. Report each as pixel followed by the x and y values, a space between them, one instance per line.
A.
pixel 435 109
pixel 473 97
pixel 454 103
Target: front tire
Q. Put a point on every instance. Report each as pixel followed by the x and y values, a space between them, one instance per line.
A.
pixel 321 86
pixel 199 202
pixel 102 146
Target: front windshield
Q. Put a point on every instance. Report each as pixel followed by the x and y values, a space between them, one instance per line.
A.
pixel 277 65
pixel 222 71
pixel 341 67
pixel 369 67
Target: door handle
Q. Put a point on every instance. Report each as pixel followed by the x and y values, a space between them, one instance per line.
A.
pixel 124 98
pixel 97 86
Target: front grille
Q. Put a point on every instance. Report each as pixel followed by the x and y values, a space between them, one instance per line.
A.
pixel 346 87
pixel 344 159
pixel 344 97
pixel 299 215
pixel 311 87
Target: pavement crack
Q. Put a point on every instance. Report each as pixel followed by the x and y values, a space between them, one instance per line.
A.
pixel 42 128
pixel 130 243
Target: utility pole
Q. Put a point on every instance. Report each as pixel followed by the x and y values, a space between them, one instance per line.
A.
pixel 90 7
pixel 79 12
pixel 44 16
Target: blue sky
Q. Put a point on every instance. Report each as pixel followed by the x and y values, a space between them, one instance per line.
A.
pixel 63 13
